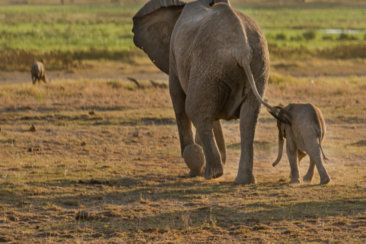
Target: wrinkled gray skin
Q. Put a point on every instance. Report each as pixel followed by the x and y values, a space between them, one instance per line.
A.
pixel 38 72
pixel 218 65
pixel 303 137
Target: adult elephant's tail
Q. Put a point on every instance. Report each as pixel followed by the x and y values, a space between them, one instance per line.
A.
pixel 244 58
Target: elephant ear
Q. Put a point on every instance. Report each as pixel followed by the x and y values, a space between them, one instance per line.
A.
pixel 153 25
pixel 282 115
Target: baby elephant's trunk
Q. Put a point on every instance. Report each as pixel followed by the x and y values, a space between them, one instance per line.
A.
pixel 280 148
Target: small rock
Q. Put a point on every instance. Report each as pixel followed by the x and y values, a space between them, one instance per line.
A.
pixel 12 218
pixel 30 149
pixel 83 143
pixel 32 128
pixel 84 215
pixel 91 113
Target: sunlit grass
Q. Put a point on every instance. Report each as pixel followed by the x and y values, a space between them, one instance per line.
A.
pixel 65 36
pixel 104 165
pixel 80 27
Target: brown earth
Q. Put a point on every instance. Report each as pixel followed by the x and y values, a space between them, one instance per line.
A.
pixel 144 70
pixel 97 160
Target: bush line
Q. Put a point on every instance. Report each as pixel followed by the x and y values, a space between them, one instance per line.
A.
pixel 21 60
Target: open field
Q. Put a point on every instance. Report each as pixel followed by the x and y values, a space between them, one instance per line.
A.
pixel 92 158
pixel 75 27
pixel 103 165
pixel 66 36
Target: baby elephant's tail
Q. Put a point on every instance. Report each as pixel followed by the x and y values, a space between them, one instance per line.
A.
pixel 321 149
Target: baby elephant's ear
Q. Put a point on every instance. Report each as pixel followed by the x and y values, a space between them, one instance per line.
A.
pixel 153 25
pixel 284 117
pixel 281 114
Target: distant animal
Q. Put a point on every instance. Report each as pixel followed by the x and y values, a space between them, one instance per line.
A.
pixel 304 128
pixel 38 72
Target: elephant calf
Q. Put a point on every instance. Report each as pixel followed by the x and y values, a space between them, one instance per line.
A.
pixel 38 72
pixel 303 127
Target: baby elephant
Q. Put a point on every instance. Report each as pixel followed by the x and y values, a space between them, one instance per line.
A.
pixel 303 127
pixel 38 72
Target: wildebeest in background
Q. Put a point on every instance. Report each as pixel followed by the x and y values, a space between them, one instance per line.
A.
pixel 38 72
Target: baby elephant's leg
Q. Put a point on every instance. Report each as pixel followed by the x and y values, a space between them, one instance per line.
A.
pixel 315 156
pixel 292 157
pixel 300 155
pixel 34 79
pixel 309 175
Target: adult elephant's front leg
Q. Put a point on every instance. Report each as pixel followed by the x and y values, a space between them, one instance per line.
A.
pixel 191 152
pixel 249 112
pixel 220 141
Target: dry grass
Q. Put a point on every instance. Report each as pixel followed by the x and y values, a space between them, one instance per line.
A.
pixel 102 164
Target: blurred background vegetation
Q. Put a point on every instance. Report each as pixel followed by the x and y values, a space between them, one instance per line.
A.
pixel 66 33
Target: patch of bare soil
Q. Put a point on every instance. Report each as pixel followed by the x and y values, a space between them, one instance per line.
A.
pixel 320 67
pixel 144 70
pixel 108 70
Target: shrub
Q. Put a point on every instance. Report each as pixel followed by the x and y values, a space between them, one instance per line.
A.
pixel 344 51
pixel 327 37
pixel 296 38
pixel 309 35
pixel 280 36
pixel 346 37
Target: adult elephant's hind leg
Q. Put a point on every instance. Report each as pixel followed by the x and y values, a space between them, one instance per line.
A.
pixel 249 112
pixel 203 103
pixel 213 167
pixel 191 152
pixel 219 137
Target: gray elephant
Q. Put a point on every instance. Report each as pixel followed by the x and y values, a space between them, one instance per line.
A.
pixel 304 128
pixel 218 65
pixel 38 72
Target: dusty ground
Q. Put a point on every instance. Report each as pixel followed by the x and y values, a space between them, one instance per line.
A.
pixel 142 69
pixel 102 164
pixel 92 70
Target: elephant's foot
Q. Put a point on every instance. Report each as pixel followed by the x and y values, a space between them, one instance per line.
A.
pixel 324 180
pixel 194 174
pixel 294 181
pixel 194 158
pixel 244 179
pixel 307 178
pixel 213 172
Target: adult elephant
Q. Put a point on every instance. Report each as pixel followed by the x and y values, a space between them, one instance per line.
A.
pixel 218 65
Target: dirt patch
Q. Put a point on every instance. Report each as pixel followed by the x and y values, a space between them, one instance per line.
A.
pixel 361 143
pixel 258 145
pixel 125 180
